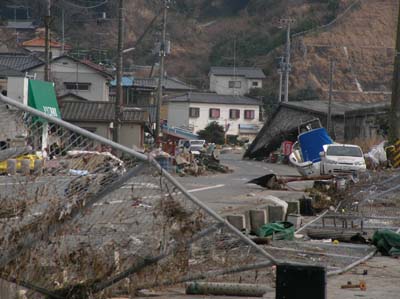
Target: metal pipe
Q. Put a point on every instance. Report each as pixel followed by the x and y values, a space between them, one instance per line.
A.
pixel 351 266
pixel 226 289
pixel 311 222
pixel 205 275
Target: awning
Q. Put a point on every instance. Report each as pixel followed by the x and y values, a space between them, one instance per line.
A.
pixel 41 96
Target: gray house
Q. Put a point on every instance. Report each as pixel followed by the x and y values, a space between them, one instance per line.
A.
pixel 235 80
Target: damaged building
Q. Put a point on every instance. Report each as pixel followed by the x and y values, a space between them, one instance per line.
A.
pixel 349 121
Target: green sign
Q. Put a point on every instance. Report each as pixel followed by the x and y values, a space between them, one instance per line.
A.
pixel 42 96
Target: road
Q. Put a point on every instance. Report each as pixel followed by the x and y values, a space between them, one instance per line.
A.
pixel 220 191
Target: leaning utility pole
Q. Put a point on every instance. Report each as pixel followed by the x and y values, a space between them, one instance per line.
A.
pixel 162 53
pixel 119 94
pixel 329 119
pixel 47 21
pixel 394 133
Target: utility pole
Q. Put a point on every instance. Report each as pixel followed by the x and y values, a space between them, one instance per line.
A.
pixel 62 31
pixel 119 95
pixel 329 120
pixel 162 53
pixel 280 72
pixel 287 63
pixel 47 21
pixel 394 133
pixel 286 67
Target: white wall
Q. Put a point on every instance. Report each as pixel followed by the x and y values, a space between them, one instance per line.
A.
pixel 55 52
pixel 178 114
pixel 67 70
pixel 17 89
pixel 250 83
pixel 220 85
pixel 132 135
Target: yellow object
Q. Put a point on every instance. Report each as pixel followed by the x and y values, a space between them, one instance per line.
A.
pixel 31 158
pixel 336 242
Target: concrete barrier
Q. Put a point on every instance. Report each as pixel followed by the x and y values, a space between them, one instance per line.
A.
pixel 256 219
pixel 11 166
pixel 26 167
pixel 238 221
pixel 38 167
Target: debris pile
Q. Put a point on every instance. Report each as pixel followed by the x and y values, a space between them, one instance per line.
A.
pixel 185 162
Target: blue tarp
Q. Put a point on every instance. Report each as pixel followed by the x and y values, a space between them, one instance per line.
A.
pixel 311 144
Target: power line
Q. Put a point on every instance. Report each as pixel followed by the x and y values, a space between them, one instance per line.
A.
pixel 85 7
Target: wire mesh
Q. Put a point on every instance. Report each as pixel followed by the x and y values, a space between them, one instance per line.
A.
pixel 83 217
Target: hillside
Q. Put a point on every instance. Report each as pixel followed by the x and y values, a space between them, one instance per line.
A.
pixel 245 33
pixel 362 47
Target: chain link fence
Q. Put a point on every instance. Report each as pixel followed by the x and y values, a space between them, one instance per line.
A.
pixel 83 217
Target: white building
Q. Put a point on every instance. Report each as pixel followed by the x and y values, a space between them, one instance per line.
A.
pixel 70 75
pixel 239 115
pixel 235 81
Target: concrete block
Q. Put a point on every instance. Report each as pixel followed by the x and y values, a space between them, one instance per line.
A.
pixel 11 166
pixel 237 220
pixel 25 167
pixel 38 167
pixel 293 207
pixel 296 219
pixel 275 213
pixel 257 219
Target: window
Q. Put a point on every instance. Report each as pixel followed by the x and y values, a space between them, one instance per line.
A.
pixel 255 84
pixel 248 114
pixel 234 113
pixel 194 112
pixel 214 113
pixel 77 85
pixel 235 84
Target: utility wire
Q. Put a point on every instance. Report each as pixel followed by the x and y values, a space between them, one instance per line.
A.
pixel 85 7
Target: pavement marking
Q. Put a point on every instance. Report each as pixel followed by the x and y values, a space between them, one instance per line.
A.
pixel 206 188
pixel 159 196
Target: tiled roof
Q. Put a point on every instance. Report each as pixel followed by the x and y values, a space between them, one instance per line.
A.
pixel 213 98
pixel 19 62
pixel 152 83
pixel 5 71
pixel 92 111
pixel 40 42
pixel 88 63
pixel 248 72
pixel 337 107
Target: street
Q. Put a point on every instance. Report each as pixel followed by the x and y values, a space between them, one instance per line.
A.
pixel 221 191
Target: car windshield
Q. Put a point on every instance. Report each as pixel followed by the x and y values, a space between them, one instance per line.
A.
pixel 197 142
pixel 349 151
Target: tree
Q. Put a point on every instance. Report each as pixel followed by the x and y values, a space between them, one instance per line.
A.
pixel 213 133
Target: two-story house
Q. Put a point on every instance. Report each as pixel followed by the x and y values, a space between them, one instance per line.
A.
pixel 239 115
pixel 82 89
pixel 80 77
pixel 235 80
